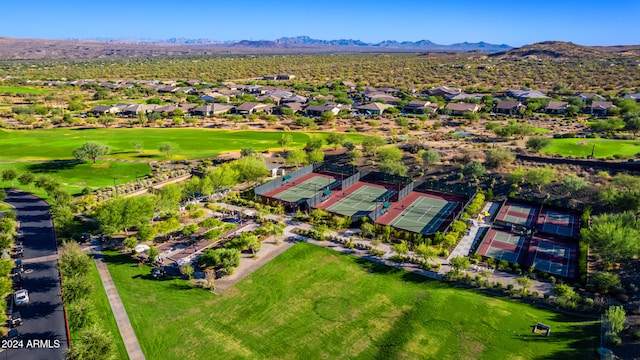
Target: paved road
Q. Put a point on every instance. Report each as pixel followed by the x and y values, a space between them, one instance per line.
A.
pixel 43 316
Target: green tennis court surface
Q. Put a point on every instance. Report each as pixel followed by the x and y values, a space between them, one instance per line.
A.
pixel 550 267
pixel 424 215
pixel 509 239
pixel 499 254
pixel 517 214
pixel 558 223
pixel 554 250
pixel 304 190
pixel 363 199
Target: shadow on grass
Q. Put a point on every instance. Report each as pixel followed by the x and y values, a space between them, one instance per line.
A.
pixel 53 166
pixel 145 156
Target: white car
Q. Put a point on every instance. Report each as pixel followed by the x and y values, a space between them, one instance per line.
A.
pixel 21 297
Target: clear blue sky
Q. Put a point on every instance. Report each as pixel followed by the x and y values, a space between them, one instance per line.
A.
pixel 515 22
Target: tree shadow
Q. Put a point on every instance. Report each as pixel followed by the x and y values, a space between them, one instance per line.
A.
pixel 53 166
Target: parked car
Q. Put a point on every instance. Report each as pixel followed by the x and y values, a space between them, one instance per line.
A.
pixel 15 319
pixel 21 297
pixel 19 251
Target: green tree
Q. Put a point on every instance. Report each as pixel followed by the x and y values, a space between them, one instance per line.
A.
pixel 315 156
pixel 168 201
pixel 632 122
pixel 605 283
pixel 348 145
pixel 390 153
pixel 613 237
pixel 93 343
pixel 91 150
pixel 166 148
pixel 138 145
pixel 572 183
pixel 616 317
pixel 430 157
pixel 9 174
pixel 565 291
pixel 541 176
pixel 326 117
pixel 250 168
pixel 152 253
pixel 427 252
pixel 371 144
pixel 130 242
pixel 525 284
pixel 186 270
pixel 223 177
pixel 296 158
pixel 474 170
pixel 499 158
pixel 460 263
pixel 392 167
pixel 73 260
pixel 537 143
pixel 244 152
pixel 401 248
pixel 335 139
pixel 314 143
pixel 26 179
pixel 285 140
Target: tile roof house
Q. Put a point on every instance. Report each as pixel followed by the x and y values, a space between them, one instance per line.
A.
pixel 420 107
pixel 635 97
pixel 211 109
pixel 297 107
pixel 173 107
pixel 556 107
pixel 591 96
pixel 372 108
pixel 317 110
pixel 509 107
pixel 389 99
pixel 104 109
pixel 251 107
pixel 461 108
pixel 444 91
pixel 524 95
pixel 135 109
pixel 601 107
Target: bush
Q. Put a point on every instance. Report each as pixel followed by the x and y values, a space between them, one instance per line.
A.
pixel 190 229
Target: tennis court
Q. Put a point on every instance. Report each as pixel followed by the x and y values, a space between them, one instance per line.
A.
pixel 363 198
pixel 420 213
pixel 558 223
pixel 517 214
pixel 501 245
pixel 554 257
pixel 301 188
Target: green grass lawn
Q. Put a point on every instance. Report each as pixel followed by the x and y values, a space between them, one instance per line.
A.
pixel 311 302
pixel 76 176
pixel 52 144
pixel 541 130
pixel 103 311
pixel 4 206
pixel 23 90
pixel 582 147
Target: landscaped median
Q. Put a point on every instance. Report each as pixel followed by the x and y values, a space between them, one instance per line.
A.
pixel 314 302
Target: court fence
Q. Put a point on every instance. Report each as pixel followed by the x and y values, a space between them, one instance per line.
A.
pixel 280 181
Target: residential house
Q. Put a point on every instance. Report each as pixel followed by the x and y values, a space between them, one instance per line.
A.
pixel 317 110
pixel 169 109
pixel 461 108
pixel 270 77
pixel 524 95
pixel 388 99
pixel 211 109
pixel 251 107
pixel 635 97
pixel 590 96
pixel 104 109
pixel 136 109
pixel 372 108
pixel 285 77
pixel 214 97
pixel 600 108
pixel 463 97
pixel 297 107
pixel 444 91
pixel 294 99
pixel 351 87
pixel 556 107
pixel 509 107
pixel 420 107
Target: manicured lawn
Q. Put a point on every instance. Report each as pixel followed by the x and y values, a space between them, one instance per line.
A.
pixel 541 130
pixel 103 311
pixel 4 206
pixel 23 90
pixel 76 176
pixel 582 147
pixel 53 144
pixel 311 302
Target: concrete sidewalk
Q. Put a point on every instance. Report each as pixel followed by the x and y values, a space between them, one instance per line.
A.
pixel 119 313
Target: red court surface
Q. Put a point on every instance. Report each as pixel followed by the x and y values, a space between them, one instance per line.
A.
pixel 517 214
pixel 423 213
pixel 553 256
pixel 502 245
pixel 300 188
pixel 554 222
